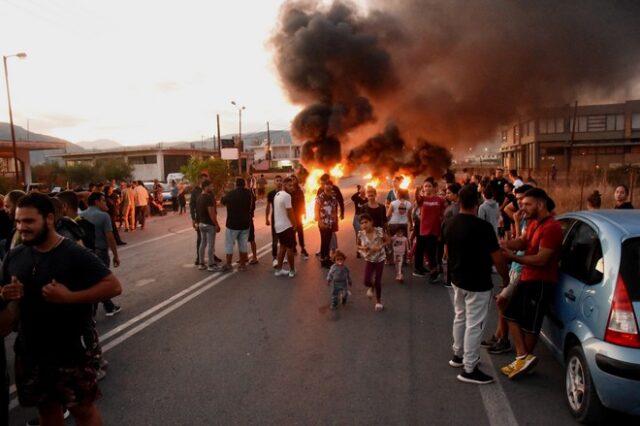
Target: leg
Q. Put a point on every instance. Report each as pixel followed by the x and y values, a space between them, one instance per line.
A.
pixel 198 243
pixel 243 238
pixel 202 243
pixel 211 236
pixel 300 231
pixel 291 258
pixel 432 251
pixel 379 268
pixel 274 241
pixel 51 414
pixel 282 250
pixel 477 307
pixel 517 335
pixel 419 258
pixel 325 242
pixel 86 414
pixel 229 237
pixel 459 321
pixel 335 292
pixel 368 273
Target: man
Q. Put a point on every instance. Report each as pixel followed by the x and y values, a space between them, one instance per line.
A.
pixel 299 209
pixel 324 178
pixel 497 184
pixel 128 194
pixel 10 205
pixel 239 204
pixel 207 222
pixel 262 184
pixel 472 249
pixel 515 179
pixel 430 229
pixel 284 223
pixel 142 200
pixel 542 243
pixel 104 239
pixel 270 211
pixel 193 202
pixel 61 282
pixel 326 214
pixel 112 200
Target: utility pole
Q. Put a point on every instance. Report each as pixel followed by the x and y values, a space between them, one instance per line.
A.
pixel 219 140
pixel 268 146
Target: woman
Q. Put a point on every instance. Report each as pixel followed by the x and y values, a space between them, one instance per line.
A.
pixel 377 211
pixel 182 199
pixel 621 197
pixel 594 201
pixel 359 200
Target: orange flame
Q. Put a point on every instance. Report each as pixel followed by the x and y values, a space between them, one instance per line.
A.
pixel 310 193
pixel 406 181
pixel 337 171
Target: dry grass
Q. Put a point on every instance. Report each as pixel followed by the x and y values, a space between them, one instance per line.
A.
pixel 573 197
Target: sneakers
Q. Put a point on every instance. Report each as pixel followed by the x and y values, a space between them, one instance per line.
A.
pixel 280 272
pixel 36 421
pixel 212 268
pixel 216 259
pixel 253 261
pixel 500 347
pixel 225 268
pixel 419 273
pixel 292 273
pixel 476 377
pixel 202 267
pixel 242 268
pixel 379 307
pixel 456 361
pixel 370 292
pixel 113 311
pixel 519 366
pixel 489 342
pixel 100 374
pixel 333 306
pixel 275 262
pixel 304 254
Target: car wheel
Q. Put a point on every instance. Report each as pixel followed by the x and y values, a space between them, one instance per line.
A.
pixel 582 397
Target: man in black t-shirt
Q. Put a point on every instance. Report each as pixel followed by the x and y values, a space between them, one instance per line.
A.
pixel 269 218
pixel 239 204
pixel 193 201
pixel 497 184
pixel 61 281
pixel 208 223
pixel 472 249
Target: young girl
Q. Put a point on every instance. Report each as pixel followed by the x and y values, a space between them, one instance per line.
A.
pixel 400 244
pixel 371 243
pixel 339 278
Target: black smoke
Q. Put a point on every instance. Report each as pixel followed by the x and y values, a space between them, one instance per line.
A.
pixel 448 71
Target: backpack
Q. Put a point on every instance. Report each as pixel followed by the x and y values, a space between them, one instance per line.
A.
pixel 89 233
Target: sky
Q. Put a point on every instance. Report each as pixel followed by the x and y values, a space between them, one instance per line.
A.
pixel 141 71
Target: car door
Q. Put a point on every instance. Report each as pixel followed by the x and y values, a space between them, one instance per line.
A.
pixel 581 265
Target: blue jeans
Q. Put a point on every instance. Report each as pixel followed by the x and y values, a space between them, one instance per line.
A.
pixel 230 237
pixel 208 241
pixel 336 288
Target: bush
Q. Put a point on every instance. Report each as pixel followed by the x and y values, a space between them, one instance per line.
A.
pixel 218 172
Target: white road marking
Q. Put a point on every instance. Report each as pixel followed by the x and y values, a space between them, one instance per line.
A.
pixel 494 399
pixel 144 281
pixel 162 237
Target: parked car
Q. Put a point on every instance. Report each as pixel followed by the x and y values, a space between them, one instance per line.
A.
pixel 166 192
pixel 592 324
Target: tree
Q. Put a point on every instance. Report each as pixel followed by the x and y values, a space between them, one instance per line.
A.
pixel 217 169
pixel 49 173
pixel 81 173
pixel 115 168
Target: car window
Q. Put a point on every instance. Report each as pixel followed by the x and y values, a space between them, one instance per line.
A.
pixel 630 267
pixel 582 254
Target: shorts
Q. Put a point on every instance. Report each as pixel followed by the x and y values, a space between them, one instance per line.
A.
pixel 69 386
pixel 529 304
pixel 252 233
pixel 233 235
pixel 514 280
pixel 287 238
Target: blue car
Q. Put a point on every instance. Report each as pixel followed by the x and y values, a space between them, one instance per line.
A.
pixel 592 324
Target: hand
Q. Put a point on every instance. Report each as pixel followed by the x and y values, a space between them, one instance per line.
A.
pixel 217 228
pixel 56 293
pixel 195 224
pixel 268 223
pixel 13 291
pixel 116 261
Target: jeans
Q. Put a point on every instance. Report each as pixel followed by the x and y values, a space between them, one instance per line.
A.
pixel 141 212
pixel 198 241
pixel 428 243
pixel 325 242
pixel 336 288
pixel 208 241
pixel 230 237
pixel 471 309
pixel 103 255
pixel 274 241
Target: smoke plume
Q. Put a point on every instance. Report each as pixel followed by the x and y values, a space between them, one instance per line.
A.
pixel 448 71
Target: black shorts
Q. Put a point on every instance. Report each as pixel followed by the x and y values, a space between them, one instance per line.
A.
pixel 529 304
pixel 287 238
pixel 252 233
pixel 69 386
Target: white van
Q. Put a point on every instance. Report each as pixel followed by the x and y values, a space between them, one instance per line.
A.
pixel 174 176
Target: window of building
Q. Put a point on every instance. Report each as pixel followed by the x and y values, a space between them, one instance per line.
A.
pixel 531 127
pixel 581 125
pixel 504 136
pixel 596 123
pixel 615 122
pixel 635 121
pixel 551 125
pixel 143 159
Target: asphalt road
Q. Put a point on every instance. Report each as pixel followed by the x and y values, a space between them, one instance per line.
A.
pixel 192 347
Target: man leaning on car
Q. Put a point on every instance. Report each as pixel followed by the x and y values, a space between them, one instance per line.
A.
pixel 542 243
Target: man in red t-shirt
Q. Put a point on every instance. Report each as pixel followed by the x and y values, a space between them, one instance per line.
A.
pixel 542 243
pixel 430 229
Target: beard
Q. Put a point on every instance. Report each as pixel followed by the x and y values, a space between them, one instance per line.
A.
pixel 39 237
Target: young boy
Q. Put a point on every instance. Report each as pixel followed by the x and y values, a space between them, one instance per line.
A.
pixel 400 245
pixel 339 278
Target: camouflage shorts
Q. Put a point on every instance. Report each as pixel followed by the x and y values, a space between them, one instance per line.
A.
pixel 69 386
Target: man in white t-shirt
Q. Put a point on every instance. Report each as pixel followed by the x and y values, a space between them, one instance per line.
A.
pixel 285 226
pixel 515 179
pixel 141 201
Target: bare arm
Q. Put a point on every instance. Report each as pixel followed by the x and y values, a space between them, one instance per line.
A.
pixel 213 215
pixel 515 244
pixel 292 218
pixel 111 241
pixel 539 259
pixel 267 214
pixel 501 266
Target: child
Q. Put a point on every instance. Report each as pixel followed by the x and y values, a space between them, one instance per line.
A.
pixel 371 244
pixel 339 278
pixel 400 245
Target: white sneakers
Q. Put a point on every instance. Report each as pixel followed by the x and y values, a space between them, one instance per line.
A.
pixel 283 272
pixel 370 292
pixel 379 307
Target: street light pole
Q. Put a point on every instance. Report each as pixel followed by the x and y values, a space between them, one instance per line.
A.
pixel 20 55
pixel 240 147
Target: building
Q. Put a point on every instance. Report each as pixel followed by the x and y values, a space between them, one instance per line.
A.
pixel 604 136
pixel 284 153
pixel 149 161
